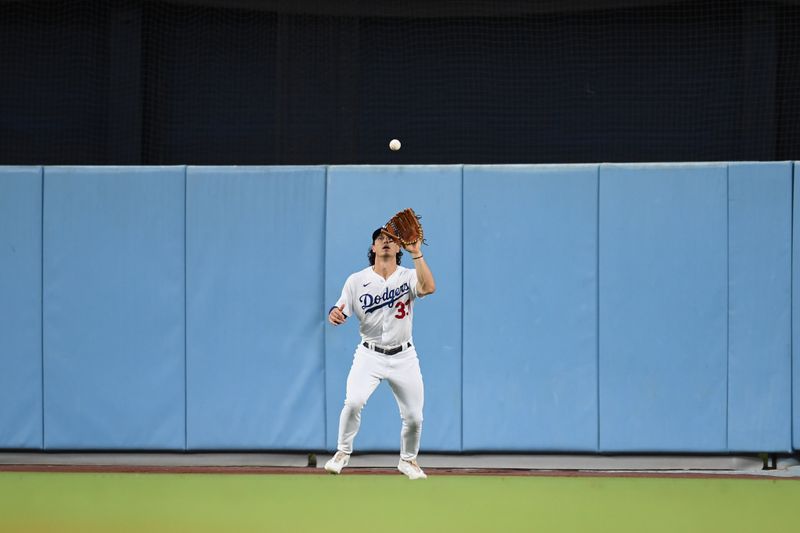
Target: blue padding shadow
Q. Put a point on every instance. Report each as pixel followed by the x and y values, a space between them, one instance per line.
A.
pixel 359 200
pixel 760 343
pixel 20 307
pixel 114 308
pixel 530 308
pixel 254 271
pixel 663 307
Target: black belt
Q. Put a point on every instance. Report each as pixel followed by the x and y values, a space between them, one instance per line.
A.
pixel 387 351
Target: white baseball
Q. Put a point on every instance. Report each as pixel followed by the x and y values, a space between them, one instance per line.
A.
pixel 394 145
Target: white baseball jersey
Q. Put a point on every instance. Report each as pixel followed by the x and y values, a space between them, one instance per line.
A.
pixel 382 306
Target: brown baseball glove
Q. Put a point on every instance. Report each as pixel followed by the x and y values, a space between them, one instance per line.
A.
pixel 404 228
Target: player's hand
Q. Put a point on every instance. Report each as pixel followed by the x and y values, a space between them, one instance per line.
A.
pixel 337 316
pixel 413 248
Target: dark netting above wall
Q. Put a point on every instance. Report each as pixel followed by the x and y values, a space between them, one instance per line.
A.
pixel 461 81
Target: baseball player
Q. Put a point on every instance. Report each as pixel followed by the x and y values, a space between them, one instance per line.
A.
pixel 382 298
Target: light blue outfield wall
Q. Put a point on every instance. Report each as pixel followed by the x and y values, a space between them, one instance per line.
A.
pixel 255 252
pixel 579 308
pixel 360 199
pixel 114 308
pixel 663 308
pixel 20 307
pixel 530 308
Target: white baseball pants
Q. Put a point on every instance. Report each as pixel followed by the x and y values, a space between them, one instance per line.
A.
pixel 403 374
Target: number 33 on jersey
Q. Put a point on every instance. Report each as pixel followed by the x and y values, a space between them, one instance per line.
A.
pixel 403 309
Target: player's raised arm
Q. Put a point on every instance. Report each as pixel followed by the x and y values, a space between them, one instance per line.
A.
pixel 425 282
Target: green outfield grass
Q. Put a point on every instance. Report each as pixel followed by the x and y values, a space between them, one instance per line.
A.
pixel 116 502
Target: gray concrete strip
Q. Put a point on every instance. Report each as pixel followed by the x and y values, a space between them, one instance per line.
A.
pixel 155 459
pixel 786 467
pixel 563 462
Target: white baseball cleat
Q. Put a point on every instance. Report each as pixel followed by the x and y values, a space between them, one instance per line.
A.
pixel 411 469
pixel 337 462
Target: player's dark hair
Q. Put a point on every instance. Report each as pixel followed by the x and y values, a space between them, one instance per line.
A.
pixel 371 254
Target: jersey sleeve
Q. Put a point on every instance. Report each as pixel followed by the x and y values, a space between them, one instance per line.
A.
pixel 347 297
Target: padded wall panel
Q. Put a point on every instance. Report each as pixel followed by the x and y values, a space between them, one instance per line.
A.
pixel 114 308
pixel 530 308
pixel 359 200
pixel 255 353
pixel 663 307
pixel 760 344
pixel 21 307
pixel 796 307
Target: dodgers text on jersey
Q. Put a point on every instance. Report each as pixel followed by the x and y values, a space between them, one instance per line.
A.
pixel 370 303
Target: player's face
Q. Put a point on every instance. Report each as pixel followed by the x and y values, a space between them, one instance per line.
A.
pixel 384 246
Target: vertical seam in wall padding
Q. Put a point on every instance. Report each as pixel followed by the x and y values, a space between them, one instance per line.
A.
pixel 728 302
pixel 792 384
pixel 597 305
pixel 41 297
pixel 461 444
pixel 324 328
pixel 185 310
